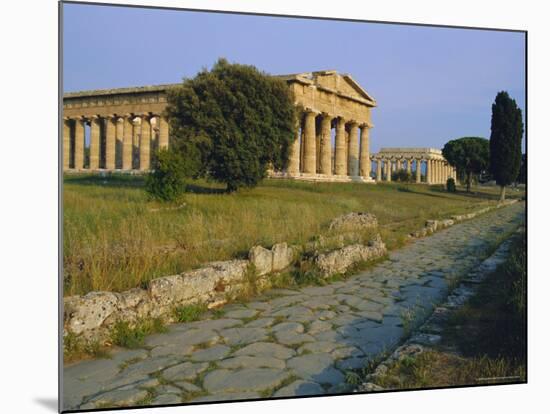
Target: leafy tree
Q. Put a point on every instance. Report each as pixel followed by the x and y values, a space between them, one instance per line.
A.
pixel 469 155
pixel 236 120
pixel 505 142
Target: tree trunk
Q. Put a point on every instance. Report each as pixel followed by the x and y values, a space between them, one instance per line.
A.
pixel 468 181
pixel 502 191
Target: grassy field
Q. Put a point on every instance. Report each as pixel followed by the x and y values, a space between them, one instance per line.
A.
pixel 115 238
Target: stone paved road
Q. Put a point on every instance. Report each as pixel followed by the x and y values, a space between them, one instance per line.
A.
pixel 291 342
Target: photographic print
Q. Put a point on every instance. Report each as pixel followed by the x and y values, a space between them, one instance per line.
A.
pixel 264 206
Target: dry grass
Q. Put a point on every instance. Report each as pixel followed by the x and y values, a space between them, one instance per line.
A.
pixel 443 369
pixel 114 238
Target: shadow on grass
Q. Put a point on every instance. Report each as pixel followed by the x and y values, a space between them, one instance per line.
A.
pixel 203 189
pixel 106 180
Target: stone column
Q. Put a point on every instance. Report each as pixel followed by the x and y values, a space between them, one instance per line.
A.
pixel 164 131
pixel 429 172
pixel 310 147
pixel 364 156
pixel 353 153
pixel 127 142
pixel 145 144
pixel 378 169
pixel 110 143
pixel 294 156
pixel 326 150
pixel 66 143
pixel 340 148
pixel 119 141
pixel 388 164
pixel 409 166
pixel 418 170
pixel 94 142
pixel 79 143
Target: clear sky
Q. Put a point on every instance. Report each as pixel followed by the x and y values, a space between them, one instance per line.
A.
pixel 431 84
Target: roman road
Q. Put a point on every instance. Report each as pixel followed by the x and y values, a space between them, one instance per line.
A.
pixel 292 341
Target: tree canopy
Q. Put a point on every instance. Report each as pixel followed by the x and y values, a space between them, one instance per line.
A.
pixel 235 120
pixel 505 142
pixel 469 155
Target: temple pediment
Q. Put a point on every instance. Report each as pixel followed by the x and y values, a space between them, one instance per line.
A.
pixel 334 82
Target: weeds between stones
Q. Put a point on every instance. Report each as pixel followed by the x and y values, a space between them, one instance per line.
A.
pixel 190 313
pixel 125 335
pixel 74 349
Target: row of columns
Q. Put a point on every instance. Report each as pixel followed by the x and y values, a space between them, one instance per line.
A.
pixel 312 152
pixel 119 136
pixel 437 171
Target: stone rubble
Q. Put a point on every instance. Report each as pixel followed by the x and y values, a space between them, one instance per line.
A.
pixel 431 226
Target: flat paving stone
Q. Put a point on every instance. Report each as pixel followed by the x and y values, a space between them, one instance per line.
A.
pixel 318 346
pixel 248 379
pixel 227 396
pixel 216 324
pixel 166 399
pixel 241 336
pixel 187 386
pixel 318 290
pixel 246 361
pixel 242 313
pixel 294 327
pixel 319 326
pixel 117 398
pixel 172 350
pixel 213 353
pixel 149 366
pixel 266 349
pixel 316 367
pixel 260 323
pixel 186 371
pixel 298 388
pixel 292 338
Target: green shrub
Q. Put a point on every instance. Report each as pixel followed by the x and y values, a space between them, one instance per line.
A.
pixel 451 186
pixel 402 176
pixel 167 180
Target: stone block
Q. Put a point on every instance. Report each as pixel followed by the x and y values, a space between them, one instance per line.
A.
pixel 283 256
pixel 262 259
pixel 85 313
pixel 338 261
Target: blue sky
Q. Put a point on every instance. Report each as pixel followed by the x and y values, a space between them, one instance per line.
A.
pixel 431 84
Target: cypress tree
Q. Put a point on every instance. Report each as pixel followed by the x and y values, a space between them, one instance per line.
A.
pixel 505 141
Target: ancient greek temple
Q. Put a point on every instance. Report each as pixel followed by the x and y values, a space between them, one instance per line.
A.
pixel 426 165
pixel 124 126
